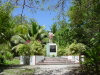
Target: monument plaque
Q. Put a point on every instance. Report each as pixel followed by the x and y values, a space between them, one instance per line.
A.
pixel 52 48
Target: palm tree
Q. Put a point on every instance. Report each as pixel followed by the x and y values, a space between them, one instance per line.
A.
pixel 54 28
pixel 37 31
pixel 27 33
pixel 20 34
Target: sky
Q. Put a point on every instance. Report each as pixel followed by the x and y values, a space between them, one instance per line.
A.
pixel 44 18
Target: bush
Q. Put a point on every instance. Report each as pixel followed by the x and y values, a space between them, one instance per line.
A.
pixel 36 48
pixel 32 48
pixel 13 61
pixel 92 61
pixel 5 52
pixel 23 49
pixel 61 52
pixel 77 48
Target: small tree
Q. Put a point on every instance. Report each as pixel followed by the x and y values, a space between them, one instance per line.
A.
pixel 23 49
pixel 36 48
pixel 77 48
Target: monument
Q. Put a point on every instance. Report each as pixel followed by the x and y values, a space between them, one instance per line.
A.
pixel 51 48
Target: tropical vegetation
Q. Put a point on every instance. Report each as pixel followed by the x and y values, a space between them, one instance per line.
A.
pixel 78 36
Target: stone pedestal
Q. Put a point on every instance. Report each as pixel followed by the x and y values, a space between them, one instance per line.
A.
pixel 51 50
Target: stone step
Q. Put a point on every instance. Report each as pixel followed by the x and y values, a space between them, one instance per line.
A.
pixel 54 61
pixel 42 63
pixel 58 59
pixel 54 58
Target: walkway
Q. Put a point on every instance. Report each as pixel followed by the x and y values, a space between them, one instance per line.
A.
pixel 55 69
pixel 44 69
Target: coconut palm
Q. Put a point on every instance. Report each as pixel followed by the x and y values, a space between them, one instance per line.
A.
pixel 21 34
pixel 37 31
pixel 27 33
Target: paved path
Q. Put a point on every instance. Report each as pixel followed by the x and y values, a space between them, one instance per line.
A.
pixel 50 69
pixel 53 69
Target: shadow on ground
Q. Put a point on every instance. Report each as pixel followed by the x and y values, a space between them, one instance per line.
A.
pixel 4 67
pixel 15 70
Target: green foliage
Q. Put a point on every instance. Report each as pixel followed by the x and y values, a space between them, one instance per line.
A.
pixel 32 48
pixel 19 20
pixel 63 35
pixel 92 60
pixel 54 28
pixel 35 28
pixel 24 33
pixel 36 48
pixel 77 48
pixel 5 52
pixel 60 36
pixel 5 31
pixel 23 49
pixel 86 24
pixel 45 40
pixel 61 52
pixel 53 55
pixel 37 31
pixel 86 28
pixel 16 39
pixel 21 29
pixel 13 61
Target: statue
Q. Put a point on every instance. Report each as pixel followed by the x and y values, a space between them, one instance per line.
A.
pixel 51 35
pixel 51 48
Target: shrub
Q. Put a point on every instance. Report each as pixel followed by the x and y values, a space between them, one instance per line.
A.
pixel 13 61
pixel 32 48
pixel 63 51
pixel 23 49
pixel 92 61
pixel 36 48
pixel 53 55
pixel 77 48
pixel 5 52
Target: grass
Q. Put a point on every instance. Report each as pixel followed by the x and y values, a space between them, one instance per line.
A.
pixel 13 62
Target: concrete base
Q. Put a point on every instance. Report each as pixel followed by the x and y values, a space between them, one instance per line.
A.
pixel 51 50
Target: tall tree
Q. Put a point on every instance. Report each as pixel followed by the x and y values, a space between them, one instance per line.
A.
pixel 84 21
pixel 5 25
